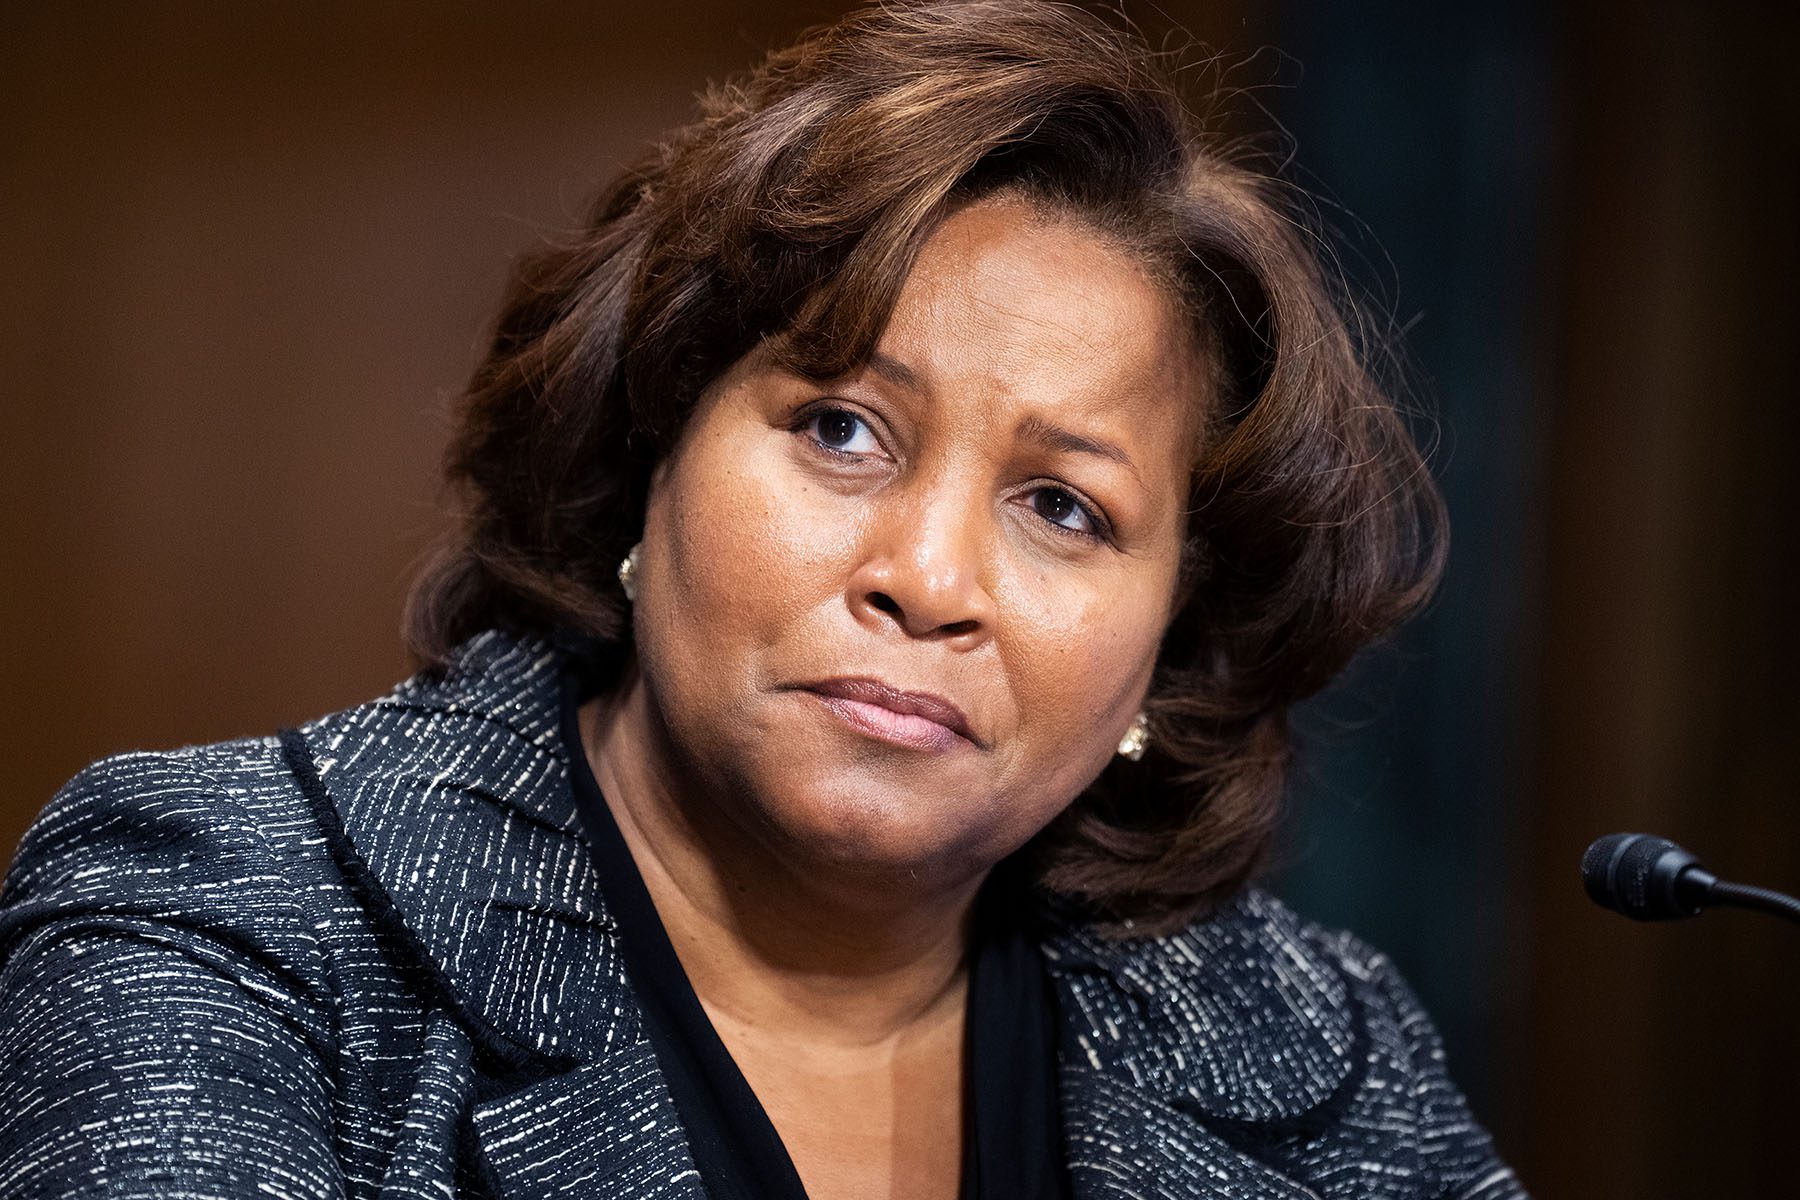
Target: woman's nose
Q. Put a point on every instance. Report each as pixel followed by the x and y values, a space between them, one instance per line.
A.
pixel 923 569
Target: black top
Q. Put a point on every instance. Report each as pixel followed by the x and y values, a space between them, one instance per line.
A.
pixel 1011 1142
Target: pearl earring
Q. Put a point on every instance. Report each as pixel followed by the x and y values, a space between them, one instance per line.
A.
pixel 628 572
pixel 1136 738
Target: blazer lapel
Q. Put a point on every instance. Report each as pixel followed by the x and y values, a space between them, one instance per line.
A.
pixel 454 790
pixel 606 1128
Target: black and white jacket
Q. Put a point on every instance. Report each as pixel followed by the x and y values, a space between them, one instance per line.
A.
pixel 369 958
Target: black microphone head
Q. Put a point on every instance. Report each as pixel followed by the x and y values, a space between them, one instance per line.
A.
pixel 1597 865
pixel 1640 875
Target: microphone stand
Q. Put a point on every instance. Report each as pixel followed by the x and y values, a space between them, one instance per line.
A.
pixel 1744 895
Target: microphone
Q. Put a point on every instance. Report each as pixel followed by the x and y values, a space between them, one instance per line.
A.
pixel 1649 878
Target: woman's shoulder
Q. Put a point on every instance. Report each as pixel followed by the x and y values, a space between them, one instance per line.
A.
pixel 1300 1041
pixel 1252 951
pixel 1285 955
pixel 1250 1012
pixel 212 808
pixel 182 914
pixel 241 797
pixel 159 886
pixel 431 825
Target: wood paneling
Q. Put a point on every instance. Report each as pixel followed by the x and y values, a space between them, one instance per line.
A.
pixel 1663 1058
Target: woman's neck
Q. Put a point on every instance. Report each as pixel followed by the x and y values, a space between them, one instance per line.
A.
pixel 770 943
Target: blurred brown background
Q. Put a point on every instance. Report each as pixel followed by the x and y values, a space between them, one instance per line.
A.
pixel 249 254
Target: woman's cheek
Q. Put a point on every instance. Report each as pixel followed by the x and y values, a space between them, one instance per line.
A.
pixel 756 537
pixel 1079 649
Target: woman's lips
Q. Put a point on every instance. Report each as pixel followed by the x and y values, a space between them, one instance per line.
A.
pixel 917 720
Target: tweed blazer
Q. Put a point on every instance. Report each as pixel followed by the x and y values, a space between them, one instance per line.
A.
pixel 369 958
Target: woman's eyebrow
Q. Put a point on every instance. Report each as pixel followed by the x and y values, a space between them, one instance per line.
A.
pixel 894 371
pixel 1055 437
pixel 1032 428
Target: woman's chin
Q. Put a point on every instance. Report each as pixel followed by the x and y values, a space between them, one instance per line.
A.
pixel 881 833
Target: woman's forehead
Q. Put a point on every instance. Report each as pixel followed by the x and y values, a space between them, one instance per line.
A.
pixel 1044 320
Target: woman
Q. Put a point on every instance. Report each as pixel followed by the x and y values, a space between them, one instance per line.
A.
pixel 893 531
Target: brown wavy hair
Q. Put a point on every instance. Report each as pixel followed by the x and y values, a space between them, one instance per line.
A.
pixel 793 207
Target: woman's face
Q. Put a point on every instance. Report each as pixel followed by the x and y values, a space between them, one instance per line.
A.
pixel 989 512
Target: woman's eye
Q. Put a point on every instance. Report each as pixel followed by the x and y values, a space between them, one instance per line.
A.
pixel 1063 510
pixel 842 430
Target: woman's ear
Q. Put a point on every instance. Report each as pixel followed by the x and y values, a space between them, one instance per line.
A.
pixel 1196 567
pixel 659 475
